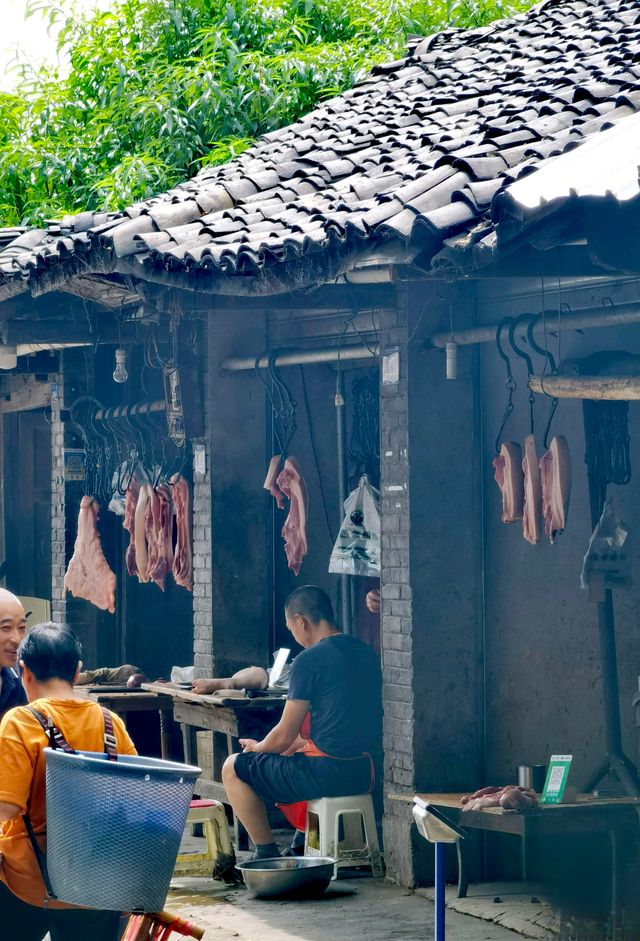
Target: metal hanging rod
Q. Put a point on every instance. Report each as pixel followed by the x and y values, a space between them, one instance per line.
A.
pixel 128 411
pixel 304 357
pixel 585 319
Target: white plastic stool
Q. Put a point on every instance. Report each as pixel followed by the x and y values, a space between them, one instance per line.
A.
pixel 218 856
pixel 344 828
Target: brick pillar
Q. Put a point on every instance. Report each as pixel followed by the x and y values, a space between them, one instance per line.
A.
pixel 431 565
pixel 58 561
pixel 202 550
pixel 396 613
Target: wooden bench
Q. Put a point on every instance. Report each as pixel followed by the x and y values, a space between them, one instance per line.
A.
pixel 228 720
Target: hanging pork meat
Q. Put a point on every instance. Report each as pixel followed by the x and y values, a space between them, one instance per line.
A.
pixel 142 552
pixel 271 481
pixel 129 523
pixel 294 531
pixel 286 480
pixel 532 508
pixel 88 575
pixel 159 534
pixel 555 476
pixel 510 479
pixel 182 556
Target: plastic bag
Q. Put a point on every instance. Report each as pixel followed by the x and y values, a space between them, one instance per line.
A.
pixel 357 548
pixel 608 562
pixel 182 675
pixel 121 477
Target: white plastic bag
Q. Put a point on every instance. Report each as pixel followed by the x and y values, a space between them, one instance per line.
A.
pixel 182 675
pixel 357 548
pixel 607 563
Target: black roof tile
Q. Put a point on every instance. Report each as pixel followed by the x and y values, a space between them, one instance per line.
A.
pixel 422 150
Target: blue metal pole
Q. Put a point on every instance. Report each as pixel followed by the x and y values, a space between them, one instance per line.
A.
pixel 439 893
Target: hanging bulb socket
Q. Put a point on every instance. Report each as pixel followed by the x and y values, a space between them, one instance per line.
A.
pixel 120 373
pixel 451 350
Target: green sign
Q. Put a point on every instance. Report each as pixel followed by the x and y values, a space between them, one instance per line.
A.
pixel 557 775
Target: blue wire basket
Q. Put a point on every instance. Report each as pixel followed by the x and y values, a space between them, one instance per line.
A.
pixel 114 828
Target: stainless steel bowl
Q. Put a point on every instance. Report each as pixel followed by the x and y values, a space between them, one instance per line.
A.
pixel 297 875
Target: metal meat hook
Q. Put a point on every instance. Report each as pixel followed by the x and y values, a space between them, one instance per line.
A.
pixel 533 343
pixel 550 361
pixel 510 384
pixel 517 322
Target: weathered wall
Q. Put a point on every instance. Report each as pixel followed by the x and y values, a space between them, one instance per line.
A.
pixel 543 687
pixel 492 660
pixel 239 604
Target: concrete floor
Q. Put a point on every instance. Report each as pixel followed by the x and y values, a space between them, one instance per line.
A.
pixel 352 908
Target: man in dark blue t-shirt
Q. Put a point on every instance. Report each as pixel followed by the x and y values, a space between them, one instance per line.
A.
pixel 328 742
pixel 13 626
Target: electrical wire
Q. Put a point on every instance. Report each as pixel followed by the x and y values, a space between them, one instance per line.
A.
pixel 314 451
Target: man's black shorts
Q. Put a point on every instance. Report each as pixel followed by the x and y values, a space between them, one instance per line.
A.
pixel 298 778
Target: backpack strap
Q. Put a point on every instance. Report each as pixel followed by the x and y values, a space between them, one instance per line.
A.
pixel 41 859
pixel 110 744
pixel 56 738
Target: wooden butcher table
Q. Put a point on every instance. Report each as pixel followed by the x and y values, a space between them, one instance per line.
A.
pixel 228 720
pixel 613 816
pixel 122 701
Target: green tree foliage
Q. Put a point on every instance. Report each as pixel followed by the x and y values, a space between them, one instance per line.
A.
pixel 154 89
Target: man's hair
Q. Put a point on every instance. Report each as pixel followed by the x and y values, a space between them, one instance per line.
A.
pixel 312 603
pixel 51 651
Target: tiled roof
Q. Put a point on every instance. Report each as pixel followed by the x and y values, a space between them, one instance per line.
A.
pixel 408 162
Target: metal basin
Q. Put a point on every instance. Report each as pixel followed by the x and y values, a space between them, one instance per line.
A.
pixel 298 875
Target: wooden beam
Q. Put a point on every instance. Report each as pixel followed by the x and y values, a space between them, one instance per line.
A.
pixel 327 298
pixel 615 388
pixel 108 292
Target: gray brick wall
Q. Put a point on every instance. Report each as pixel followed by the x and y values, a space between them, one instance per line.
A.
pixel 58 595
pixel 396 613
pixel 202 550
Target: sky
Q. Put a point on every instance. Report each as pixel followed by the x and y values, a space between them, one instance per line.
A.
pixel 30 36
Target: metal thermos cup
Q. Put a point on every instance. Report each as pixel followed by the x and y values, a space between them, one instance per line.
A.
pixel 532 776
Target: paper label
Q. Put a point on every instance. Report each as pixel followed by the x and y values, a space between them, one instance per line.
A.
pixel 391 368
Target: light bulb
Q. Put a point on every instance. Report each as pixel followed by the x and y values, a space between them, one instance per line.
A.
pixel 120 373
pixel 452 361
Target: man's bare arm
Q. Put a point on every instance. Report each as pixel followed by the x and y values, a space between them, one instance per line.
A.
pixel 285 733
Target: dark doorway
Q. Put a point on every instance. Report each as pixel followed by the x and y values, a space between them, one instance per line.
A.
pixel 27 503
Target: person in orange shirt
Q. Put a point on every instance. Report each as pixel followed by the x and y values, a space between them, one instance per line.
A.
pixel 50 659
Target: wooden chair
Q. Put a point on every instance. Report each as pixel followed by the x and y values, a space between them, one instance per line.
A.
pixel 158 927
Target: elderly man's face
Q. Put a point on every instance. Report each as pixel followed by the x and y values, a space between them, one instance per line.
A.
pixel 13 626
